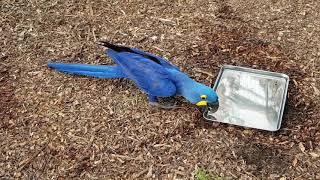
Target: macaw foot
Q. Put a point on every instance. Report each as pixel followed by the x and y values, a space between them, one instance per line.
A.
pixel 163 106
pixel 165 103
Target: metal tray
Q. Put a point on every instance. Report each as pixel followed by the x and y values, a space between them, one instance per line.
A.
pixel 249 97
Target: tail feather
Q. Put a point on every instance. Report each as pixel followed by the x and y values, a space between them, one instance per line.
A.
pixel 98 71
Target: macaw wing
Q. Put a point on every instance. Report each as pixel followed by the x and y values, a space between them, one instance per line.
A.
pixel 148 75
pixel 165 63
pixel 121 49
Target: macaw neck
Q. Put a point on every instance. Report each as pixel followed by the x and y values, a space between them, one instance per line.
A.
pixel 185 85
pixel 180 78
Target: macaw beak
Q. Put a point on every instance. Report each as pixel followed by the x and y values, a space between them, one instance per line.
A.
pixel 213 107
pixel 215 104
pixel 202 103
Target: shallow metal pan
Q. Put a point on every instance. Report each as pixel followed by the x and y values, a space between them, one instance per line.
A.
pixel 249 97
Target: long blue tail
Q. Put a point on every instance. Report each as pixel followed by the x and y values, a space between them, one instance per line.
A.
pixel 98 71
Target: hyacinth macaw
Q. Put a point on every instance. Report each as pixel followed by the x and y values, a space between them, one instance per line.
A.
pixel 152 74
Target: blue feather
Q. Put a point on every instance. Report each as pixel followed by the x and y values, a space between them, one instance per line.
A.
pixel 162 61
pixel 133 51
pixel 150 76
pixel 98 71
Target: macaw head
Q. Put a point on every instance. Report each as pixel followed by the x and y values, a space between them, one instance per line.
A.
pixel 202 96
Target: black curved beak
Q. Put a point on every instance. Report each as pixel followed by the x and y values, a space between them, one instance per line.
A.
pixel 214 104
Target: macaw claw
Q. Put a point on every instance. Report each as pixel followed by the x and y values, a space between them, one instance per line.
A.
pixel 165 102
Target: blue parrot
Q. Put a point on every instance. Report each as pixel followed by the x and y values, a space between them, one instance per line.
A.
pixel 152 74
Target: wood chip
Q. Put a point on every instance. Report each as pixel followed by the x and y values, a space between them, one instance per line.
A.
pixel 301 146
pixel 295 161
pixel 149 174
pixel 316 91
pixel 135 176
pixel 314 155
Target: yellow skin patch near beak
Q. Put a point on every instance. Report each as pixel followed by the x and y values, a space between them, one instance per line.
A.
pixel 202 103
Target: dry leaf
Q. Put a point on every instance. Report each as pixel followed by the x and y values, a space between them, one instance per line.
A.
pixel 283 178
pixel 249 132
pixel 301 146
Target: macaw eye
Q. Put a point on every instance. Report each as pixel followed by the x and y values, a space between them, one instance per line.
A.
pixel 203 97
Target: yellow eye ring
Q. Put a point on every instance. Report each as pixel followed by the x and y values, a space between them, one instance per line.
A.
pixel 203 97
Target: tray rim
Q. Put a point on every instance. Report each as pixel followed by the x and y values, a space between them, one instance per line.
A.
pixel 256 71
